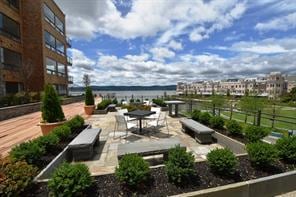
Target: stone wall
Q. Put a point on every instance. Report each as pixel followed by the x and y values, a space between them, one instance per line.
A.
pixel 19 110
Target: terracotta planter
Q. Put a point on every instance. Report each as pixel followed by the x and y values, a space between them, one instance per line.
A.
pixel 46 128
pixel 89 109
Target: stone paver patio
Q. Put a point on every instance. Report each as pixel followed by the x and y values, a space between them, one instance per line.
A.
pixel 105 159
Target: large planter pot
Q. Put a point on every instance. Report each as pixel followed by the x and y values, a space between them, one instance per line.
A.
pixel 89 109
pixel 46 128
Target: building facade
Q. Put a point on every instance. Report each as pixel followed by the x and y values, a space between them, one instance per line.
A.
pixel 273 85
pixel 33 47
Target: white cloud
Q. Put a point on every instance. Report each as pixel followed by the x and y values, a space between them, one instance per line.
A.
pixel 283 23
pixel 175 45
pixel 161 53
pixel 149 18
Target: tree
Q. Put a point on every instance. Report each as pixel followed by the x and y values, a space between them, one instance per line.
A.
pixel 86 80
pixel 51 106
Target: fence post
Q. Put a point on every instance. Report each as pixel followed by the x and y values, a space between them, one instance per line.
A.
pixel 214 110
pixel 231 111
pixel 259 117
pixel 190 106
pixel 273 118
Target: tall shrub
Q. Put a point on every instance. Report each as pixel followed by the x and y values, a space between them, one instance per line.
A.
pixel 89 97
pixel 262 154
pixel 287 148
pixel 51 106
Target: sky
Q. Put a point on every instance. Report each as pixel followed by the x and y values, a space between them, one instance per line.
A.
pixel 162 42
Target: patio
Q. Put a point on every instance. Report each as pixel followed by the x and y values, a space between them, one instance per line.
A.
pixel 105 158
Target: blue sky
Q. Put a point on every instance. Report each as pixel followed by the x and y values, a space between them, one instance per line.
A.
pixel 161 42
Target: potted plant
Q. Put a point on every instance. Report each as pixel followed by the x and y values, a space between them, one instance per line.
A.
pixel 89 101
pixel 52 113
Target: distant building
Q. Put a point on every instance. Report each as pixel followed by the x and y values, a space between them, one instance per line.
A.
pixel 33 46
pixel 273 85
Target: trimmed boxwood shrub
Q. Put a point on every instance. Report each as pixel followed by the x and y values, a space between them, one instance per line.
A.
pixel 70 180
pixel 75 122
pixel 30 152
pixel 103 104
pixel 51 106
pixel 63 132
pixel 255 133
pixel 222 161
pixel 180 165
pixel 217 122
pixel 233 127
pixel 48 142
pixel 89 97
pixel 262 154
pixel 132 170
pixel 195 115
pixel 287 148
pixel 204 118
pixel 15 177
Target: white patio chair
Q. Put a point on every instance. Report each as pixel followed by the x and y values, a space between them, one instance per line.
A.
pixel 154 116
pixel 122 125
pixel 161 121
pixel 127 118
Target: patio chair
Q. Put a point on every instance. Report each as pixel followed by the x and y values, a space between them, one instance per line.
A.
pixel 122 111
pixel 122 124
pixel 154 116
pixel 161 121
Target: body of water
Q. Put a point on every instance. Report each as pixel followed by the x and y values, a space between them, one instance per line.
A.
pixel 126 95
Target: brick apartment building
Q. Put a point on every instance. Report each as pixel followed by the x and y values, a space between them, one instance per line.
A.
pixel 33 47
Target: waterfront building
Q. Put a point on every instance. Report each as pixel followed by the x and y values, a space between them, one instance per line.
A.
pixel 33 47
pixel 273 85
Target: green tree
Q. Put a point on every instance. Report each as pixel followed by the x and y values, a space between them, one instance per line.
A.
pixel 51 106
pixel 293 94
pixel 89 97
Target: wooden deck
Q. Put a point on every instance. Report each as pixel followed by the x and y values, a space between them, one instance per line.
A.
pixel 16 130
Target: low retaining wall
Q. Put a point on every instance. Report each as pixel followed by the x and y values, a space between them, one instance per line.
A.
pixel 19 110
pixel 235 146
pixel 262 187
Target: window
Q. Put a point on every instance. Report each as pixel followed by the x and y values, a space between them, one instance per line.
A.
pixel 49 15
pixel 14 3
pixel 61 69
pixel 9 27
pixel 9 58
pixel 13 87
pixel 54 44
pixel 50 66
pixel 60 47
pixel 53 19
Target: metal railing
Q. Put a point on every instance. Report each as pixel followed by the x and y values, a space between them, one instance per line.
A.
pixel 57 73
pixel 70 79
pixel 69 41
pixel 69 61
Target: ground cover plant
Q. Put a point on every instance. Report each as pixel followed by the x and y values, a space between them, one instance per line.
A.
pixel 103 104
pixel 159 102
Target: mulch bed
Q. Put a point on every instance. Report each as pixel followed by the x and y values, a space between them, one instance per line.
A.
pixel 158 184
pixel 239 138
pixel 46 159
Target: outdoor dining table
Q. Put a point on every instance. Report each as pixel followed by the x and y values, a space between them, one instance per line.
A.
pixel 140 115
pixel 176 103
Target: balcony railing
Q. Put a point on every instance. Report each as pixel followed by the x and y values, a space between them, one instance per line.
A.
pixel 69 61
pixel 54 72
pixel 69 42
pixel 70 79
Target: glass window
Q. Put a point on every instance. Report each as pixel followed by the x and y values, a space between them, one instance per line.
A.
pixel 9 27
pixel 49 40
pixel 14 3
pixel 50 66
pixel 59 24
pixel 60 47
pixel 12 87
pixel 48 13
pixel 10 58
pixel 61 68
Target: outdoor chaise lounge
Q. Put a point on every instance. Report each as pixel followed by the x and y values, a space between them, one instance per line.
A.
pixel 157 147
pixel 82 147
pixel 201 133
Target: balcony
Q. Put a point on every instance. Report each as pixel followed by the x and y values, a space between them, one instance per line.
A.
pixel 70 80
pixel 69 61
pixel 69 42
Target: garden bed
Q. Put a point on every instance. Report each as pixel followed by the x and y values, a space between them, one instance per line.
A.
pixel 45 160
pixel 158 184
pixel 239 138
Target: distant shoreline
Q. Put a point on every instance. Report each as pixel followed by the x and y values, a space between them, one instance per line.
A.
pixel 126 88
